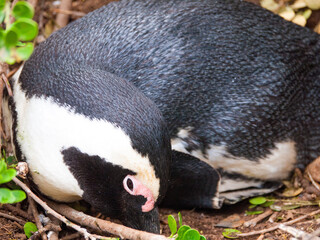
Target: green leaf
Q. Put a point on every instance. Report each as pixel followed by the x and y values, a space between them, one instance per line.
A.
pixel 2 4
pixel 7 175
pixel 25 52
pixel 2 16
pixel 257 200
pixel 29 229
pixel 4 195
pixel 182 231
pixel 11 160
pixel 26 28
pixel 191 234
pixel 11 196
pixel 202 237
pixel 253 212
pixel 22 10
pixel 230 233
pixel 180 218
pixel 267 204
pixel 11 38
pixel 252 206
pixel 18 195
pixel 172 225
pixel 3 166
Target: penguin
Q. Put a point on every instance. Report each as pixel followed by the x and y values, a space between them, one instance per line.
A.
pixel 227 90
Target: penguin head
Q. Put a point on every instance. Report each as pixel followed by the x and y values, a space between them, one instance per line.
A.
pixel 118 192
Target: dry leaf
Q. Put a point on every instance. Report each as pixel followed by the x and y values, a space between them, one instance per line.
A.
pixel 292 192
pixel 317 28
pixel 313 4
pixel 270 5
pixel 300 20
pixel 314 169
pixel 232 221
pixel 298 4
pixel 287 13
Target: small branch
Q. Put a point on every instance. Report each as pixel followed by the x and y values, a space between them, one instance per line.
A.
pixel 6 82
pixel 277 226
pixel 36 217
pixel 68 12
pixel 71 236
pixel 63 19
pixel 253 222
pixel 13 218
pixel 17 211
pixel 261 237
pixel 54 234
pixel 273 217
pixel 297 233
pixel 316 185
pixel 103 225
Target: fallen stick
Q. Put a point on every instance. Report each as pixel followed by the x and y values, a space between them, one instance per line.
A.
pixel 69 12
pixel 63 19
pixel 113 228
pixel 277 226
pixel 103 225
pixel 17 211
pixel 13 218
pixel 36 217
pixel 253 222
pixel 297 233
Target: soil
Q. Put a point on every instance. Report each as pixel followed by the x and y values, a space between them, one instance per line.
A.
pixel 202 220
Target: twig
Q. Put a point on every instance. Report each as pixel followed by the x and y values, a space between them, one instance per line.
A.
pixel 18 211
pixel 36 217
pixel 6 82
pixel 54 235
pixel 297 233
pixel 272 218
pixel 71 236
pixel 253 222
pixel 316 232
pixel 277 226
pixel 12 218
pixel 316 185
pixel 48 227
pixel 68 12
pixel 116 229
pixel 261 237
pixel 63 19
pixel 104 225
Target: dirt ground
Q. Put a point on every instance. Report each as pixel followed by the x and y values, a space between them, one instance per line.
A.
pixel 203 220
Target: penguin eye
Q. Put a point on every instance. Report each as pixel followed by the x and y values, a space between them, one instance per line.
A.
pixel 128 184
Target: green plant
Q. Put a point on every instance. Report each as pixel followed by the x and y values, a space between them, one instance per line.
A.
pixel 6 175
pixel 15 37
pixel 230 233
pixel 184 232
pixel 29 228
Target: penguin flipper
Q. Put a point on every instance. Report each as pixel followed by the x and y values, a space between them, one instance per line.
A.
pixel 193 183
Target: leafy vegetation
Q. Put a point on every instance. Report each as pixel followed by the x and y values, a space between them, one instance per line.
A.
pixel 6 175
pixel 184 232
pixel 29 228
pixel 19 29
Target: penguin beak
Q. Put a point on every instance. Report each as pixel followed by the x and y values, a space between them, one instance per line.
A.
pixel 145 221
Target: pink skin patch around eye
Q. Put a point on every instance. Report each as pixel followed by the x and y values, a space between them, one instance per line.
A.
pixel 139 189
